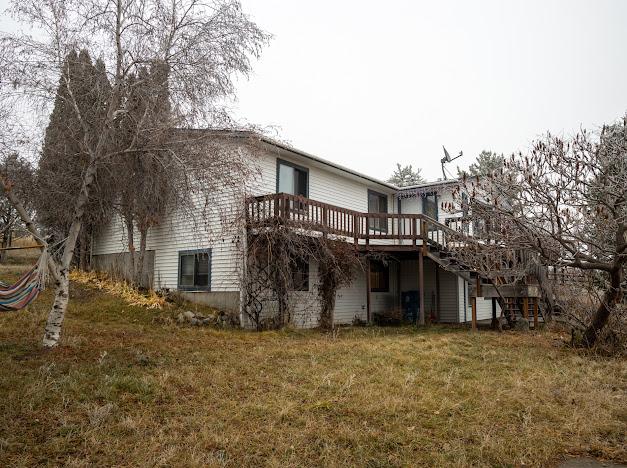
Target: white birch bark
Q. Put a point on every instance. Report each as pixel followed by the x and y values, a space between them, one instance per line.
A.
pixel 52 333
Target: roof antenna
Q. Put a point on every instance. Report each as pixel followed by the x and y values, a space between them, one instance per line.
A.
pixel 447 159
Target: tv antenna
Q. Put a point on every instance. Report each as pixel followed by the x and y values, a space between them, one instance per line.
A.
pixel 447 159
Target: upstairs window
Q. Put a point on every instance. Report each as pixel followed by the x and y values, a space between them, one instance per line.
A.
pixel 377 203
pixel 195 270
pixel 430 205
pixel 379 277
pixel 292 179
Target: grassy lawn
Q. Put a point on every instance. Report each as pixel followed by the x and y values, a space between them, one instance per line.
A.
pixel 130 387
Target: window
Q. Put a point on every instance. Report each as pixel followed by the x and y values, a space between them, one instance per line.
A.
pixel 379 277
pixel 195 270
pixel 430 205
pixel 292 179
pixel 300 275
pixel 377 203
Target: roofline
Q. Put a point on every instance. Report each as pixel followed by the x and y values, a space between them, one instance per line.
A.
pixel 304 154
pixel 326 162
pixel 291 149
pixel 428 184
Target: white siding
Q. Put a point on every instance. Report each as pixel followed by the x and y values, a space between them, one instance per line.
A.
pixel 449 294
pixel 351 302
pixel 413 204
pixel 326 184
pixel 484 306
pixel 464 300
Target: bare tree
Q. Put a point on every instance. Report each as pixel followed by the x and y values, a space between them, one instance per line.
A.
pixel 14 168
pixel 146 178
pixel 202 42
pixel 563 205
pixel 279 250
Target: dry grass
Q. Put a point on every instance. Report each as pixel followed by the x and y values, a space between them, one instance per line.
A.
pixel 121 289
pixel 23 255
pixel 129 387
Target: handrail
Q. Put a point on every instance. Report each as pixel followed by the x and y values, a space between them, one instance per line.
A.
pixel 312 215
pixel 294 209
pixel 297 208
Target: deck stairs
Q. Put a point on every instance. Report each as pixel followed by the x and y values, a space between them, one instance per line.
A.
pixel 513 307
pixel 397 232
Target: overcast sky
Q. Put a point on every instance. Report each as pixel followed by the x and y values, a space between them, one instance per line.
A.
pixel 367 84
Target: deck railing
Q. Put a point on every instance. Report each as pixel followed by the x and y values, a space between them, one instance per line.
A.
pixel 312 215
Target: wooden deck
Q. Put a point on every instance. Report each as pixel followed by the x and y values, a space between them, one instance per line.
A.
pixel 373 231
pixel 395 233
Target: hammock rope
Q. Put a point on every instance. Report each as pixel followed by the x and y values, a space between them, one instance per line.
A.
pixel 20 294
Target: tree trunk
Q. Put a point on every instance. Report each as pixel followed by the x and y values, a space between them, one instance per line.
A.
pixel 6 242
pixel 139 270
pixel 57 313
pixel 52 332
pixel 327 293
pixel 611 298
pixel 82 262
pixel 130 234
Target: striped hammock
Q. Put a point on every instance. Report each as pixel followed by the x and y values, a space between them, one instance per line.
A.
pixel 18 295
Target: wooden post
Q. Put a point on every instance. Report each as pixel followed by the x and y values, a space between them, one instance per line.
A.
pixel 535 314
pixel 474 302
pixel 355 229
pixel 286 208
pixel 525 311
pixel 368 232
pixel 398 289
pixel 368 287
pixel 414 231
pixel 437 291
pixel 421 286
pixel 494 319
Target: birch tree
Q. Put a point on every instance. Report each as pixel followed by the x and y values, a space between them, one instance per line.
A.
pixel 203 43
pixel 63 159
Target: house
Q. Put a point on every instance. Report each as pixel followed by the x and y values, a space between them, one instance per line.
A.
pixel 406 224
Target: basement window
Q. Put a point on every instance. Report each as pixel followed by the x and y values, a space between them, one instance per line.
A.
pixel 300 275
pixel 379 277
pixel 195 270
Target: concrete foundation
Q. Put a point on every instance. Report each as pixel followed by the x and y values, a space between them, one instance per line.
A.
pixel 227 301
